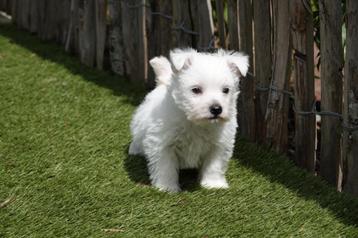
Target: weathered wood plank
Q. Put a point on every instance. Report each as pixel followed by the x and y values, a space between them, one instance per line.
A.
pixel 263 62
pixel 34 18
pixel 203 24
pixel 25 14
pixel 48 21
pixel 63 20
pixel 87 32
pixel 305 125
pixel 3 4
pixel 116 52
pixel 181 20
pixel 72 40
pixel 161 32
pixel 135 39
pixel 221 23
pixel 233 24
pixel 277 108
pixel 246 105
pixel 331 86
pixel 13 11
pixel 9 6
pixel 41 22
pixel 101 11
pixel 350 113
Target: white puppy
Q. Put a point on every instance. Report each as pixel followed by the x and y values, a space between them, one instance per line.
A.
pixel 189 119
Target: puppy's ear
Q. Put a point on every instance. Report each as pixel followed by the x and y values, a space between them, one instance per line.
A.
pixel 181 58
pixel 162 69
pixel 238 62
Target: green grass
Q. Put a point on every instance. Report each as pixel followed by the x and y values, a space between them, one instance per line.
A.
pixel 64 165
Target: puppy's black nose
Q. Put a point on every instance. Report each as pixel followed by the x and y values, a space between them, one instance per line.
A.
pixel 216 109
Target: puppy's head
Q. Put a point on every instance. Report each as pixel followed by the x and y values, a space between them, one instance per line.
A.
pixel 205 86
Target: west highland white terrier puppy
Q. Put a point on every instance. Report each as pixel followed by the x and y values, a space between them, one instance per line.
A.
pixel 189 119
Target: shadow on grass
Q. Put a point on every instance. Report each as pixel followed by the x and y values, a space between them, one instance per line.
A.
pixel 120 86
pixel 282 171
pixel 136 168
pixel 279 169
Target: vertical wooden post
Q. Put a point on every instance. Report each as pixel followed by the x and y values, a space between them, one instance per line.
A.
pixel 9 6
pixel 24 14
pixel 262 63
pixel 203 23
pixel 87 32
pixel 13 11
pixel 161 31
pixel 350 113
pixel 2 5
pixel 181 18
pixel 331 86
pixel 277 108
pixel 33 16
pixel 246 105
pixel 221 22
pixel 116 52
pixel 135 39
pixel 64 21
pixel 305 125
pixel 233 24
pixel 101 13
pixel 41 11
pixel 72 41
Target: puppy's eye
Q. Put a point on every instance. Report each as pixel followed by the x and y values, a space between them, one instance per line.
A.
pixel 226 90
pixel 196 90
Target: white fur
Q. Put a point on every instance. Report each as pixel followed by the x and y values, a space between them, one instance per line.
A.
pixel 174 128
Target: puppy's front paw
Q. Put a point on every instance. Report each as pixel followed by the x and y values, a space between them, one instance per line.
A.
pixel 168 188
pixel 214 183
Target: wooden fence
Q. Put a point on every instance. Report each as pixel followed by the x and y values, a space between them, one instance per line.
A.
pixel 277 104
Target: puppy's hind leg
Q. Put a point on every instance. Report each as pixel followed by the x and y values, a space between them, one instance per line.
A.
pixel 164 170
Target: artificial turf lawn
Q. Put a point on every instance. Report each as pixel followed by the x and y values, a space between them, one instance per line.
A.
pixel 64 133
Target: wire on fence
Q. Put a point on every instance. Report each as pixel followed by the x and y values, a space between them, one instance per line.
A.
pixel 181 27
pixel 313 111
pixel 211 46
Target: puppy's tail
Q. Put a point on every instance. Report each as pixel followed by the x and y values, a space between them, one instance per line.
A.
pixel 162 69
